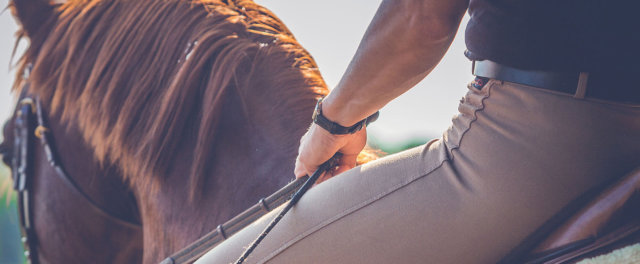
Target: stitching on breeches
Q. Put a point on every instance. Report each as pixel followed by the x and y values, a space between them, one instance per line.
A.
pixel 382 194
pixel 346 212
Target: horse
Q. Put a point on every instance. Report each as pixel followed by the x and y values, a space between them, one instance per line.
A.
pixel 164 117
pixel 158 120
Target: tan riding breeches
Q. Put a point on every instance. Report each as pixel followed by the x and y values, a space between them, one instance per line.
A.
pixel 513 158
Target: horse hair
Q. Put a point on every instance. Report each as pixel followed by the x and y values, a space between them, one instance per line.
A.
pixel 142 77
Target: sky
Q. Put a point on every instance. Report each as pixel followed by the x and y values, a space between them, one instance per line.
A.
pixel 7 29
pixel 331 30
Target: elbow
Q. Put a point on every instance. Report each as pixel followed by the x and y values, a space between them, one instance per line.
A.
pixel 431 31
pixel 432 23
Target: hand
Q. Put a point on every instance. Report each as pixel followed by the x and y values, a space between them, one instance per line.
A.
pixel 318 146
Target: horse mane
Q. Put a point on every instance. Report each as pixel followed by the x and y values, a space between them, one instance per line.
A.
pixel 141 77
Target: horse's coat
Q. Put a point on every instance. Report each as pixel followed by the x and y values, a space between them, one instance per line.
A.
pixel 191 110
pixel 135 92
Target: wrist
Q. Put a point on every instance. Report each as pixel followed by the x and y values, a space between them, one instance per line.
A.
pixel 320 119
pixel 338 111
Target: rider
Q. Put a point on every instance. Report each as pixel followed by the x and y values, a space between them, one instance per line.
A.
pixel 552 114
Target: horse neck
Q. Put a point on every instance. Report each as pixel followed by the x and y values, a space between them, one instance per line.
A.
pixel 249 163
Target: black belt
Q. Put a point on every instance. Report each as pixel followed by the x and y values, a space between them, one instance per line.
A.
pixel 566 82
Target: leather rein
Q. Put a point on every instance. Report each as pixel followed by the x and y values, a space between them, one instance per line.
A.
pixel 201 246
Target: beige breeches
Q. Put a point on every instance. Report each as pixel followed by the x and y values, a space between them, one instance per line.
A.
pixel 513 158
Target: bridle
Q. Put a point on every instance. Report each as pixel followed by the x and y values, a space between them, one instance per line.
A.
pixel 30 125
pixel 21 172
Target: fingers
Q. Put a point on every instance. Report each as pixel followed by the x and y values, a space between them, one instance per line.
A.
pixel 325 176
pixel 301 167
pixel 301 170
pixel 347 162
pixel 318 146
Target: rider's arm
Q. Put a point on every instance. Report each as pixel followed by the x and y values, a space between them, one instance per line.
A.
pixel 404 42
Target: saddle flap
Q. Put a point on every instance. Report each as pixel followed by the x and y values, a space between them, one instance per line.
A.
pixel 611 216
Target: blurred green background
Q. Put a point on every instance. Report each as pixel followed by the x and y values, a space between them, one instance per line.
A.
pixel 10 245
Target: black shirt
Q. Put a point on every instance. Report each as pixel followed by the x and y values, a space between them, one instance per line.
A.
pixel 556 35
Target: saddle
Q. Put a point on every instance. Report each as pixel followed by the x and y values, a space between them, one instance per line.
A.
pixel 609 221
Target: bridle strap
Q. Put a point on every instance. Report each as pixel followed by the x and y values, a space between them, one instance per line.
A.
pixel 22 176
pixel 44 134
pixel 30 123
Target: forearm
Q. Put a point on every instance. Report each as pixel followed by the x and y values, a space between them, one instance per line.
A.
pixel 404 42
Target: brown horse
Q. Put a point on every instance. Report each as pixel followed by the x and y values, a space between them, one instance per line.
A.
pixel 170 117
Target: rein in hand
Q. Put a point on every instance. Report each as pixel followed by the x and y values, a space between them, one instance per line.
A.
pixel 331 163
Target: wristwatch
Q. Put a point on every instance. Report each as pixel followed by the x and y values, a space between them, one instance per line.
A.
pixel 335 128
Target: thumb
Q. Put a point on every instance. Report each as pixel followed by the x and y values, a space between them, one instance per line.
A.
pixel 300 169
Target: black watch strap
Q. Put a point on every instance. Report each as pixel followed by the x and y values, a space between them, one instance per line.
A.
pixel 335 128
